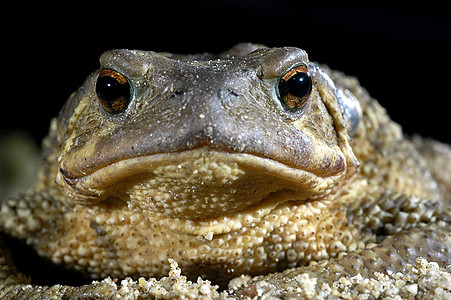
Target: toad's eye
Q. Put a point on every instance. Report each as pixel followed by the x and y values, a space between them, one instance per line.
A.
pixel 294 88
pixel 113 90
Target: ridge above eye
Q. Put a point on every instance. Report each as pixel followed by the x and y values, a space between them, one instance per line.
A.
pixel 294 88
pixel 113 90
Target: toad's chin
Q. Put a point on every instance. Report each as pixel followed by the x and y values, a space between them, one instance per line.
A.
pixel 199 183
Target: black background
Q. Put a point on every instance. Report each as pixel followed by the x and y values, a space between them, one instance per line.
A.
pixel 400 53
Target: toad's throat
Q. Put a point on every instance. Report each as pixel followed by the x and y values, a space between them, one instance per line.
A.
pixel 199 182
pixel 204 222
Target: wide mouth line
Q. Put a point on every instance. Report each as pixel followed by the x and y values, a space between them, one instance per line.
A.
pixel 96 183
pixel 161 159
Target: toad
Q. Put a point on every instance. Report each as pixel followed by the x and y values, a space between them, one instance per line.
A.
pixel 250 162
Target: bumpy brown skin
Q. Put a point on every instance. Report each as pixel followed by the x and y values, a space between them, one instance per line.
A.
pixel 205 166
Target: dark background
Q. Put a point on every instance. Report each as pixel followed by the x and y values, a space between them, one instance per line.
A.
pixel 400 53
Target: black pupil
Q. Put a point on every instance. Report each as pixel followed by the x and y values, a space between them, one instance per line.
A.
pixel 110 90
pixel 299 85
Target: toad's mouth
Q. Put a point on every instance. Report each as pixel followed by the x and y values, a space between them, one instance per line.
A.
pixel 196 183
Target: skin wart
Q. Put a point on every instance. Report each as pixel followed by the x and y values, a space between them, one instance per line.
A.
pixel 254 161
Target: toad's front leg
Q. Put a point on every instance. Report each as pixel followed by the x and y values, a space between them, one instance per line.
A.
pixel 339 275
pixel 14 284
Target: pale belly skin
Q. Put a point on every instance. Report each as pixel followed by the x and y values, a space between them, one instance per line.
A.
pixel 251 162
